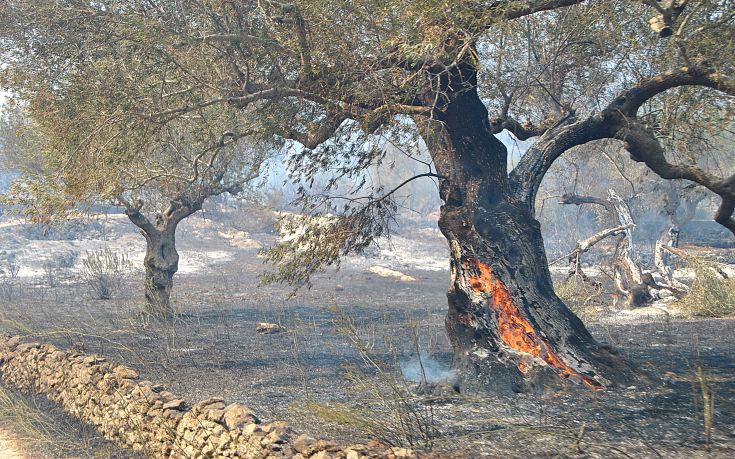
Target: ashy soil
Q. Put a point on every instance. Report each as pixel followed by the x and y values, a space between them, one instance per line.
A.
pixel 349 364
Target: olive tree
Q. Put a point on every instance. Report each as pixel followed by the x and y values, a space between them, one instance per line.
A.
pixel 334 77
pixel 83 92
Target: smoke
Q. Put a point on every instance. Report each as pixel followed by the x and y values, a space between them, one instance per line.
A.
pixel 423 367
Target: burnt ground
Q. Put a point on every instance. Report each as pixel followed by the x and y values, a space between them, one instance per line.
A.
pixel 313 374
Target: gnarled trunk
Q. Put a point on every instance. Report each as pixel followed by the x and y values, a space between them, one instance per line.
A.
pixel 161 263
pixel 161 258
pixel 509 330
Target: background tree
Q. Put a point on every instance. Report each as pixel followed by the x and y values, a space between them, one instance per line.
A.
pixel 87 140
pixel 336 76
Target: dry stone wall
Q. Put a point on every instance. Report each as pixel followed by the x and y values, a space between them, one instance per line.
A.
pixel 145 416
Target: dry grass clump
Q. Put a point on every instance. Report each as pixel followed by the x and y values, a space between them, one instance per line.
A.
pixel 712 294
pixel 584 299
pixel 103 271
pixel 31 423
pixel 389 410
pixel 705 397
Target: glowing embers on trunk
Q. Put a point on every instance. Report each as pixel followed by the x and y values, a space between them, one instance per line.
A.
pixel 514 329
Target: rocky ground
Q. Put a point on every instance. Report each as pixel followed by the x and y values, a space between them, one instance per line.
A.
pixel 389 304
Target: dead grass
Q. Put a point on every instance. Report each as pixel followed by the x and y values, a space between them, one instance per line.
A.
pixel 585 300
pixel 35 428
pixel 711 295
pixel 388 409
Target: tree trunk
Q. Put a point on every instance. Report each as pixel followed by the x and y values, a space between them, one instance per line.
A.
pixel 161 258
pixel 509 330
pixel 161 263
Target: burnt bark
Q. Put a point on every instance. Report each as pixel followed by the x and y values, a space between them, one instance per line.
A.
pixel 509 330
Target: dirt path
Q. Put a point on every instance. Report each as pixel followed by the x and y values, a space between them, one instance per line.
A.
pixel 8 450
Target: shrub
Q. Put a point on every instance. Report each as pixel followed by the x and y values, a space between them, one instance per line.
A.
pixel 103 270
pixel 388 409
pixel 12 266
pixel 584 299
pixel 712 294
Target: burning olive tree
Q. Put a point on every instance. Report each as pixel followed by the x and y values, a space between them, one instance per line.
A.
pixel 336 78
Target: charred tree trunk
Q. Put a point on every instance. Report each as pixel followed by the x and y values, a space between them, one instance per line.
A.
pixel 509 330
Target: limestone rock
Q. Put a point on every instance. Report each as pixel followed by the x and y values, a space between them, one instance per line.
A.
pixel 237 415
pixel 125 373
pixel 176 404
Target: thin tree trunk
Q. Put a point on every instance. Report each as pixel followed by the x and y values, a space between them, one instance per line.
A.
pixel 509 330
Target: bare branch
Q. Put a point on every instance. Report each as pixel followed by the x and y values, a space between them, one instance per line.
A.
pixel 516 9
pixel 523 131
pixel 616 117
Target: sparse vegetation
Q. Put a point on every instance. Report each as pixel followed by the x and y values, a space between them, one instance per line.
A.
pixel 12 266
pixel 388 408
pixel 586 301
pixel 712 294
pixel 704 391
pixel 103 272
pixel 341 118
pixel 40 431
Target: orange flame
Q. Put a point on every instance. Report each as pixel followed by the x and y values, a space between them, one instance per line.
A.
pixel 516 331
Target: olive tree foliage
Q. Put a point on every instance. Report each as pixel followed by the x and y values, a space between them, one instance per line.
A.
pixel 87 77
pixel 16 141
pixel 335 77
pixel 93 81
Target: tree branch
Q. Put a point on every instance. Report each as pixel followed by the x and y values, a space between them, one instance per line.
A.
pixel 521 131
pixel 631 100
pixel 578 200
pixel 532 167
pixel 518 9
pixel 132 210
pixel 644 147
pixel 244 38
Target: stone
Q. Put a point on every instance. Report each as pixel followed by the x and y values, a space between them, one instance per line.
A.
pixel 237 415
pixel 213 403
pixel 275 426
pixel 252 429
pixel 125 373
pixel 403 452
pixel 223 439
pixel 12 343
pixel 265 328
pixel 215 415
pixel 94 360
pixel 176 404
